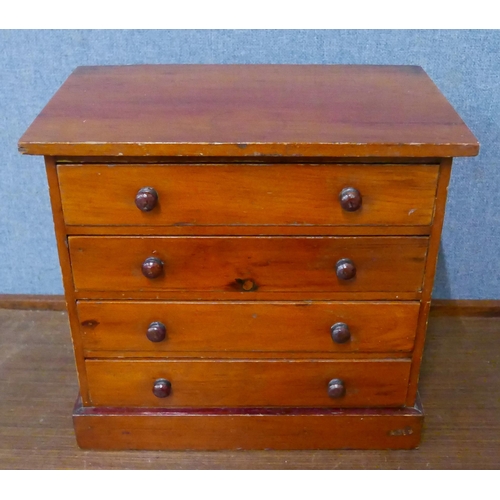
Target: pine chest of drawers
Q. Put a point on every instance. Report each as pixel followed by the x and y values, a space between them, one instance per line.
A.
pixel 248 252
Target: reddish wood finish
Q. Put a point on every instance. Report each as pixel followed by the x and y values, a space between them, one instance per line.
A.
pixel 249 230
pixel 142 294
pixel 430 270
pixel 257 355
pixel 439 307
pixel 246 430
pixel 461 426
pixel 248 326
pixel 247 110
pixel 225 264
pixel 263 428
pixel 65 262
pixel 241 382
pixel 289 190
pixel 242 160
pixel 272 194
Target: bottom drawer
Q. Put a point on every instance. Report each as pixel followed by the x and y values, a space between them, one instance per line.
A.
pixel 245 383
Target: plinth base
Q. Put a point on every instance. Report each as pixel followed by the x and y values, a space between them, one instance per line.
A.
pixel 106 428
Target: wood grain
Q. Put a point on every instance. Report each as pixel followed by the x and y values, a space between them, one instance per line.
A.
pixel 262 159
pixel 248 114
pixel 430 271
pixel 244 383
pixel 247 110
pixel 257 355
pixel 242 295
pixel 64 260
pixel 462 428
pixel 439 307
pixel 480 308
pixel 250 230
pixel 222 264
pixel 240 195
pixel 244 430
pixel 247 326
pixel 32 302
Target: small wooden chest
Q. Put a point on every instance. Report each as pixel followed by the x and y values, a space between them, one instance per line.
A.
pixel 248 252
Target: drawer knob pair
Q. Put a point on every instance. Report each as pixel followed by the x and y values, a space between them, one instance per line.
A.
pixel 162 388
pixel 350 199
pixel 157 332
pixel 147 198
pixel 152 268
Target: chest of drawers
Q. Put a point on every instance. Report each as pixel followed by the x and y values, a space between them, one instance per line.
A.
pixel 248 252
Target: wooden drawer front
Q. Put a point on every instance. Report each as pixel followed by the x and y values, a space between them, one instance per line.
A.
pixel 229 264
pixel 204 383
pixel 248 194
pixel 248 326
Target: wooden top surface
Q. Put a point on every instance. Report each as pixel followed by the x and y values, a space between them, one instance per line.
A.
pixel 249 110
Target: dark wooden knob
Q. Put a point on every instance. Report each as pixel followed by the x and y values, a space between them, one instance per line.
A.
pixel 157 332
pixel 152 267
pixel 146 199
pixel 340 333
pixel 346 270
pixel 350 199
pixel 336 388
pixel 162 388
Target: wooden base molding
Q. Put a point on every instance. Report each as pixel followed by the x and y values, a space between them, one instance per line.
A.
pixel 107 428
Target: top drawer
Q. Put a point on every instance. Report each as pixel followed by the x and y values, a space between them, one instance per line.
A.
pixel 246 195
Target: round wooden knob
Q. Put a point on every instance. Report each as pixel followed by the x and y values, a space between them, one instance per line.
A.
pixel 152 267
pixel 340 333
pixel 346 270
pixel 146 199
pixel 157 332
pixel 336 388
pixel 350 199
pixel 162 388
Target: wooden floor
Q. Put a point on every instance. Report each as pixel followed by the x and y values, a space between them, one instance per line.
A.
pixel 460 390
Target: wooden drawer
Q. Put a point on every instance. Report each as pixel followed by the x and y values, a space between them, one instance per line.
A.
pixel 234 383
pixel 297 195
pixel 244 264
pixel 246 326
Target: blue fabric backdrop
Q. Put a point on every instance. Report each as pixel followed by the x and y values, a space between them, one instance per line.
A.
pixel 464 64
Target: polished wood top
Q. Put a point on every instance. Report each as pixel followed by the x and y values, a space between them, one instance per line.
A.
pixel 249 110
